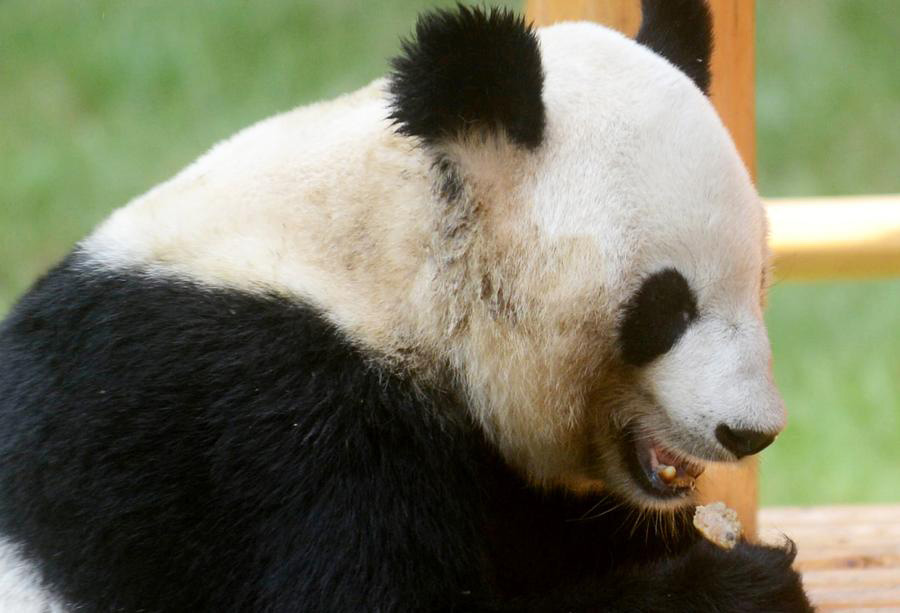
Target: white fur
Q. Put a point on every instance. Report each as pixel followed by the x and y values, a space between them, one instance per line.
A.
pixel 718 373
pixel 296 204
pixel 520 285
pixel 20 588
pixel 654 177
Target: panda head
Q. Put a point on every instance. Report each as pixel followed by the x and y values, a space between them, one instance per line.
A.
pixel 598 259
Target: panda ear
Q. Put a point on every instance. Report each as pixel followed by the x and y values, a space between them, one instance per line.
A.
pixel 469 70
pixel 681 32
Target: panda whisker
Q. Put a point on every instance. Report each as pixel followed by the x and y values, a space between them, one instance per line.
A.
pixel 587 513
pixel 637 522
pixel 588 517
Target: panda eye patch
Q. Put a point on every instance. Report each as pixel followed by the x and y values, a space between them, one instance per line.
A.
pixel 656 316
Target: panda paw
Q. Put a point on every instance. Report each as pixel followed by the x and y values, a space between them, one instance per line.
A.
pixel 701 579
pixel 747 578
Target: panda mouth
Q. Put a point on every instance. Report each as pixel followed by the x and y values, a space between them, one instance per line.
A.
pixel 661 471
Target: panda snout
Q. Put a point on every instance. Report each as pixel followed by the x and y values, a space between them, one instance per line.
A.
pixel 756 429
pixel 743 442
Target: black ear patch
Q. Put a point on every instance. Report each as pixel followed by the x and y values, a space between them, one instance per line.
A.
pixel 467 69
pixel 680 31
pixel 656 316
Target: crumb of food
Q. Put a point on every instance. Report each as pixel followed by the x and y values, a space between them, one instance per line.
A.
pixel 719 524
pixel 674 477
pixel 668 473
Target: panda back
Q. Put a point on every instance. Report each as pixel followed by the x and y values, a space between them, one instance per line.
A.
pixel 324 203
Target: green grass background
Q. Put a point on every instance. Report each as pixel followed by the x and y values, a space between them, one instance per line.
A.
pixel 101 99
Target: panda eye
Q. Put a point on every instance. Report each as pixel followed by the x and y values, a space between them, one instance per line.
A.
pixel 656 316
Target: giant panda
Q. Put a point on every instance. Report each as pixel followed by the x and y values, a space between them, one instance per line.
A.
pixel 424 347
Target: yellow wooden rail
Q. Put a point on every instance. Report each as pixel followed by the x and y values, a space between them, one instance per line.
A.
pixel 831 238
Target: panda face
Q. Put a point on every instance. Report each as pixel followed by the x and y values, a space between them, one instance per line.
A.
pixel 671 239
pixel 621 328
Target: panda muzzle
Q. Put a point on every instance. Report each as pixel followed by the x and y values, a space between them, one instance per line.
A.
pixel 671 470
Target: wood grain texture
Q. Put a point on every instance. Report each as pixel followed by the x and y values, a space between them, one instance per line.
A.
pixel 849 555
pixel 732 93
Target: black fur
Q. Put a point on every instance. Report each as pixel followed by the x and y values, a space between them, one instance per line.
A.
pixel 656 316
pixel 169 447
pixel 165 447
pixel 469 69
pixel 681 31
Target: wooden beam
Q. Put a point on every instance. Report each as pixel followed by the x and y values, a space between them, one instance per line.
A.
pixel 623 15
pixel 832 238
pixel 732 93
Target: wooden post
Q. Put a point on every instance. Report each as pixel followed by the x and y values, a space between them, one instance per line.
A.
pixel 732 93
pixel 623 15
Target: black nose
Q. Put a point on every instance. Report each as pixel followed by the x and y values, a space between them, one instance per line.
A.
pixel 743 442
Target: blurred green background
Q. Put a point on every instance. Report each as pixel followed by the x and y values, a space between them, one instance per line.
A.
pixel 101 99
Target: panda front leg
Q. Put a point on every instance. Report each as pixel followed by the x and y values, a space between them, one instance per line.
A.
pixel 750 578
pixel 554 551
pixel 707 578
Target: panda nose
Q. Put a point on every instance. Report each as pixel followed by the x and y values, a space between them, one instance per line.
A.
pixel 743 442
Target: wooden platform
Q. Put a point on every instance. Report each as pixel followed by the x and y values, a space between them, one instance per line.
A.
pixel 849 555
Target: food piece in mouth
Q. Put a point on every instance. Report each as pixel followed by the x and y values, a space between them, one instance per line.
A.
pixel 719 524
pixel 671 471
pixel 663 472
pixel 667 473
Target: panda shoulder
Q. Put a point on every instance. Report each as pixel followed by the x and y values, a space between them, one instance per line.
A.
pixel 266 196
